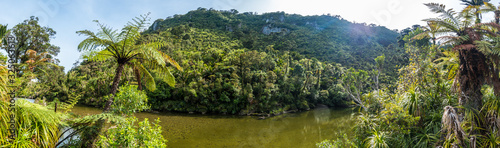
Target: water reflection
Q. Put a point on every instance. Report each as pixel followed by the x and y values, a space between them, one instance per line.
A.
pixel 289 130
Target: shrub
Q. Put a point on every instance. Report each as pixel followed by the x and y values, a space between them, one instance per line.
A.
pixel 127 134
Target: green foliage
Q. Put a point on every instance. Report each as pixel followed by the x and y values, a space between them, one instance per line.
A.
pixel 326 38
pixel 338 143
pixel 128 134
pixel 230 66
pixel 127 47
pixel 36 125
pixel 95 79
pixel 354 83
pixel 129 100
pixel 3 31
pixel 411 115
pixel 219 76
pixel 377 140
pixel 31 36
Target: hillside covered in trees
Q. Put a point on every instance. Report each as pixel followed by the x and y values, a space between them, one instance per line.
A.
pixel 326 38
pixel 244 63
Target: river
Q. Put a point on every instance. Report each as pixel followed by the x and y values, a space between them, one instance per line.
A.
pixel 303 129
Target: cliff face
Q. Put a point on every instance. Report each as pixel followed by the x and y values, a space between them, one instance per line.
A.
pixel 268 29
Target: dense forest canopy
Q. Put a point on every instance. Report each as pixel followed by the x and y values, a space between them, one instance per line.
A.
pixel 326 38
pixel 244 63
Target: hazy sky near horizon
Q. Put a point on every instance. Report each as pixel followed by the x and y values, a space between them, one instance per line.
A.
pixel 68 16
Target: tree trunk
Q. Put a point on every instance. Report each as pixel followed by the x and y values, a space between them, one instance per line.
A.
pixel 497 16
pixel 100 123
pixel 473 70
pixel 472 77
pixel 138 77
pixel 496 81
pixel 114 87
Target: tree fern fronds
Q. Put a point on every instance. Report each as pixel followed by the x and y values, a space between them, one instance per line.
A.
pixel 102 55
pixel 148 79
pixel 485 47
pixel 166 76
pixel 110 117
pixel 445 23
pixel 440 8
pixel 171 61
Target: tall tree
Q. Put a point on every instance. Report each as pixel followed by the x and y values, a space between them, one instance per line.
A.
pixel 354 83
pixel 463 36
pixel 31 36
pixel 124 49
pixel 468 39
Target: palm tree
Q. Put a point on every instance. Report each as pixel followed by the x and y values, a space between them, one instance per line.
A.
pixel 124 49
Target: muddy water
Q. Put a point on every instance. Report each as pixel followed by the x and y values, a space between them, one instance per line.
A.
pixel 303 129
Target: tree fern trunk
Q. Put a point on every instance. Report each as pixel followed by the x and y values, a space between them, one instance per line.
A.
pixel 107 107
pixel 114 87
pixel 138 77
pixel 472 77
pixel 496 81
pixel 473 70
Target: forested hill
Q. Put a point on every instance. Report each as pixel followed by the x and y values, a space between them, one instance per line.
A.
pixel 326 38
pixel 244 63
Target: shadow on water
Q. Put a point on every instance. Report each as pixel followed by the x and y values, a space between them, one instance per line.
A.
pixel 302 129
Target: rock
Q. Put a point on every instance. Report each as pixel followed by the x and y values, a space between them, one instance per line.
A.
pixel 268 30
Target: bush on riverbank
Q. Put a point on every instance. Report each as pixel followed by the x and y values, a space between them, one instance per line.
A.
pixel 128 134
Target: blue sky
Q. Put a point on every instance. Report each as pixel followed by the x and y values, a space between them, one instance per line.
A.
pixel 68 16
